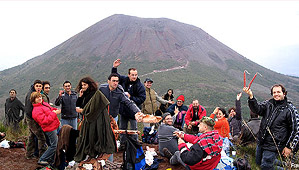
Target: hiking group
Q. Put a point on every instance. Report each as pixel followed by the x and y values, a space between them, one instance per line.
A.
pixel 126 100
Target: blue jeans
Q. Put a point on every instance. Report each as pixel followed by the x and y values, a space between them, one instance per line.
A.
pixel 72 122
pixel 123 125
pixel 266 159
pixel 50 152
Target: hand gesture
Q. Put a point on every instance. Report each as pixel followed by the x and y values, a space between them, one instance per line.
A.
pixel 239 96
pixel 216 110
pixel 179 134
pixel 61 92
pixel 176 110
pixel 116 63
pixel 139 116
pixel 81 93
pixel 286 152
pixel 248 91
pixel 180 141
pixel 193 123
pixel 190 126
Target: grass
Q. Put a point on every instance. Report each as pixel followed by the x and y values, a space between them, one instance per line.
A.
pixel 13 135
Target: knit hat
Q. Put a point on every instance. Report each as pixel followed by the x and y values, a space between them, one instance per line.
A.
pixel 164 115
pixel 181 97
pixel 207 120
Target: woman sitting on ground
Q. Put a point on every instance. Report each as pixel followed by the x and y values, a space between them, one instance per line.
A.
pixel 221 123
pixel 46 117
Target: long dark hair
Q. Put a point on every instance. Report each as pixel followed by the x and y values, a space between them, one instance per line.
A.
pixel 92 85
pixel 166 96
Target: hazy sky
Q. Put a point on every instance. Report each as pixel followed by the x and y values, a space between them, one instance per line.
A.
pixel 262 31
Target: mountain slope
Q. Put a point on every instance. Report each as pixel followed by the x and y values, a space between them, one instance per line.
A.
pixel 213 74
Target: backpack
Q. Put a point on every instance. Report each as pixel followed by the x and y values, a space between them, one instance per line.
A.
pixel 242 164
pixel 149 138
pixel 133 156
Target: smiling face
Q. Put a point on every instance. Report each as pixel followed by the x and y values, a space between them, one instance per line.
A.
pixel 148 84
pixel 168 120
pixel 67 87
pixel 220 114
pixel 232 113
pixel 84 86
pixel 179 102
pixel 169 92
pixel 277 93
pixel 47 88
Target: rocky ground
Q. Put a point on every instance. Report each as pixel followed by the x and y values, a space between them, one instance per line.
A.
pixel 15 159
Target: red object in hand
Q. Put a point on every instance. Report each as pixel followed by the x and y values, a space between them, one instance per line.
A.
pixel 244 78
pixel 252 81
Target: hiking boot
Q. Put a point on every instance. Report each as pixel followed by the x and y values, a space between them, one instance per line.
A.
pixel 43 163
pixel 31 157
pixel 167 153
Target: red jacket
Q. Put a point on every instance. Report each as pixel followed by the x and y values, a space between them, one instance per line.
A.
pixel 205 152
pixel 222 126
pixel 189 115
pixel 43 115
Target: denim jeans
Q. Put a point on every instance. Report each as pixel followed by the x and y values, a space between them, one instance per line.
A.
pixel 266 158
pixel 50 152
pixel 72 122
pixel 123 125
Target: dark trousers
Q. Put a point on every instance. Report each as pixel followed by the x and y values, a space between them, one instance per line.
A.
pixel 35 130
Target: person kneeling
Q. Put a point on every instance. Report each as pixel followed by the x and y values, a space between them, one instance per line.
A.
pixel 205 151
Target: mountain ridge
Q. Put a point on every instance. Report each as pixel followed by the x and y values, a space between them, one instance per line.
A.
pixel 148 44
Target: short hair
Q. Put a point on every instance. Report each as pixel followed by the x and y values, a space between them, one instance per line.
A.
pixel 283 89
pixel 113 75
pixel 12 90
pixel 34 95
pixel 131 69
pixel 230 109
pixel 66 82
pixel 37 82
pixel 223 111
pixel 46 82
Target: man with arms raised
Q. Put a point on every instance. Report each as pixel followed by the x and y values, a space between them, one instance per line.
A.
pixel 135 91
pixel 278 128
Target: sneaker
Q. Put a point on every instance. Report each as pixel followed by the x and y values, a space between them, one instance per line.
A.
pixel 167 153
pixel 43 163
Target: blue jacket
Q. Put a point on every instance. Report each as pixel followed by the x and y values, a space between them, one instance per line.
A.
pixel 116 97
pixel 136 91
pixel 68 105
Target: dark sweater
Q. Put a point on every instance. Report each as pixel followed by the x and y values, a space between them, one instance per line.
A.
pixel 166 138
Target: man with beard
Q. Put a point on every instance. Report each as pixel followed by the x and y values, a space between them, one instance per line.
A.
pixel 279 128
pixel 13 106
pixel 193 116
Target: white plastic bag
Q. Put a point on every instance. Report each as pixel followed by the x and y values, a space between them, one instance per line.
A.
pixel 4 144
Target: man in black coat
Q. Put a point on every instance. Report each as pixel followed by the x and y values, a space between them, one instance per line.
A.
pixel 279 126
pixel 135 91
pixel 13 106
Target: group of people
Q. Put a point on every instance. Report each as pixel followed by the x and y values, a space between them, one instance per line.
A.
pixel 126 99
pixel 276 134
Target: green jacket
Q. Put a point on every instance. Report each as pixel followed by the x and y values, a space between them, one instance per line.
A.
pixel 96 136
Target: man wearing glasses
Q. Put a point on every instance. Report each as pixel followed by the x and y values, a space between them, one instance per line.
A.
pixel 179 111
pixel 67 99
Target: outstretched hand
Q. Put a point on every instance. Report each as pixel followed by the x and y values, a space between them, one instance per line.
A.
pixel 116 63
pixel 239 96
pixel 248 91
